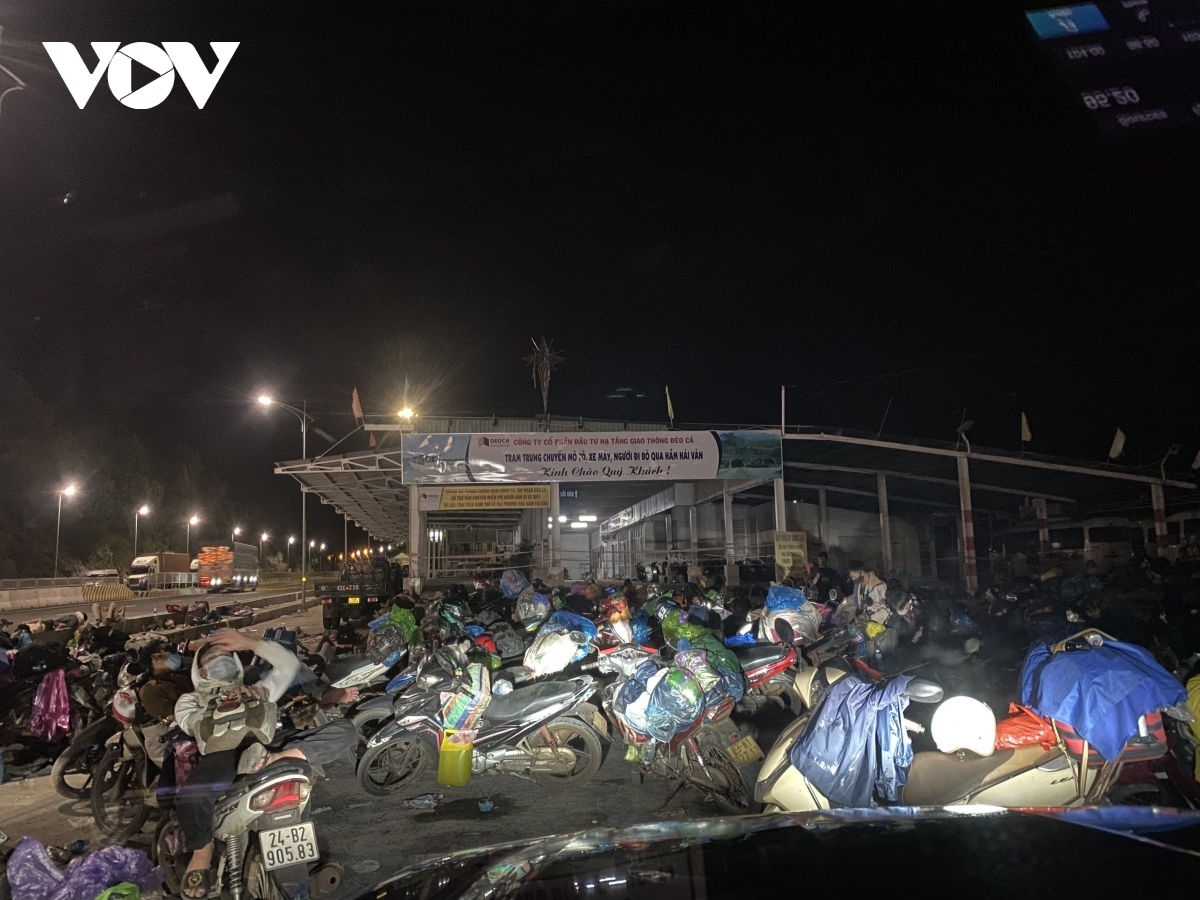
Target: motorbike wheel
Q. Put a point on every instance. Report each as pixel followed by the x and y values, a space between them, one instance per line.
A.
pixel 366 724
pixel 170 852
pixel 118 799
pixel 731 786
pixel 575 736
pixel 72 771
pixel 256 877
pixel 385 769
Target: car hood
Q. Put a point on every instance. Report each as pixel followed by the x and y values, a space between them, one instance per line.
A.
pixel 968 851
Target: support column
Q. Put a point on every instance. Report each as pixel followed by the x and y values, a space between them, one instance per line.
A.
pixel 555 536
pixel 970 571
pixel 822 519
pixel 416 537
pixel 931 542
pixel 1043 526
pixel 1162 540
pixel 693 539
pixel 885 522
pixel 780 506
pixel 731 569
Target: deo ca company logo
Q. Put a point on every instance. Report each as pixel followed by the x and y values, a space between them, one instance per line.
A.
pixel 160 62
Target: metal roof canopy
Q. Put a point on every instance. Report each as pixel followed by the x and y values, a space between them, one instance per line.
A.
pixel 366 486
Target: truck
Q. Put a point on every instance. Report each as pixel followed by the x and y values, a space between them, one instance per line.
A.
pixel 223 568
pixel 158 570
pixel 360 589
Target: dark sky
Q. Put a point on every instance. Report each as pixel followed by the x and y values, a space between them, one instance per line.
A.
pixel 885 206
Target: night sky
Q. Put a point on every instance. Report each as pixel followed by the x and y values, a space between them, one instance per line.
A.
pixel 886 207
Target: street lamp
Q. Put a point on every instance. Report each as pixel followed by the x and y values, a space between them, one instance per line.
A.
pixel 187 546
pixel 291 540
pixel 137 514
pixel 262 539
pixel 68 491
pixel 305 418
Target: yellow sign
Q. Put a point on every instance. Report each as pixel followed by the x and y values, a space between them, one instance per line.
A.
pixel 791 553
pixel 487 496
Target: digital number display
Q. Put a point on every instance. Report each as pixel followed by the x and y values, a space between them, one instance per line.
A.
pixel 1133 64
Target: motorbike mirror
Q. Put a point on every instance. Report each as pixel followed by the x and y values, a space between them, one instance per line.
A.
pixel 785 632
pixel 833 595
pixel 922 690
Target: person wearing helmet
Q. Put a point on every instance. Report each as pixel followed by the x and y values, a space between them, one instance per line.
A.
pixel 221 698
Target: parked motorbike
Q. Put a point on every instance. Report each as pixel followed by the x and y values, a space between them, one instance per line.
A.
pixel 710 753
pixel 265 841
pixel 966 768
pixel 546 732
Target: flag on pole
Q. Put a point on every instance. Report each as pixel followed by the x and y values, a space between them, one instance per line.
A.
pixel 1026 434
pixel 356 407
pixel 1118 445
pixel 670 408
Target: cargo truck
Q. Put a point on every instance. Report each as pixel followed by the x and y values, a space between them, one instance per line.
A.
pixel 360 590
pixel 158 570
pixel 223 568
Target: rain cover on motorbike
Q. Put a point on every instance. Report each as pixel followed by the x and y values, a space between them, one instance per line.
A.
pixel 1100 692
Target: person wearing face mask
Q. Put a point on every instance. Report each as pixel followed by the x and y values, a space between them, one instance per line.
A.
pixel 220 692
pixel 166 684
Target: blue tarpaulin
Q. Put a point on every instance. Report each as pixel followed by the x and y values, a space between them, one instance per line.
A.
pixel 1101 692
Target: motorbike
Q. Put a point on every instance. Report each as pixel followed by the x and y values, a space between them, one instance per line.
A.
pixel 265 841
pixel 710 753
pixel 966 768
pixel 122 794
pixel 547 732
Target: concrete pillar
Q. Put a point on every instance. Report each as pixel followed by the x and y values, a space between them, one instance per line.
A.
pixel 416 537
pixel 822 519
pixel 556 563
pixel 1161 539
pixel 931 542
pixel 693 538
pixel 885 522
pixel 780 506
pixel 969 570
pixel 731 568
pixel 1043 526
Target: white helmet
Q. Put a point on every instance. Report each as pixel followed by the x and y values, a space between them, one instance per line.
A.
pixel 964 723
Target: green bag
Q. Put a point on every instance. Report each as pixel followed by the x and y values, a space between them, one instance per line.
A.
pixel 126 890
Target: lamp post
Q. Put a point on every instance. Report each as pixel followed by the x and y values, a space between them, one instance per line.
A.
pixel 68 491
pixel 187 545
pixel 262 539
pixel 291 540
pixel 305 418
pixel 137 514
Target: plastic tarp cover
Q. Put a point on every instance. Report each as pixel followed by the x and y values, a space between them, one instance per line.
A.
pixel 1101 692
pixel 855 743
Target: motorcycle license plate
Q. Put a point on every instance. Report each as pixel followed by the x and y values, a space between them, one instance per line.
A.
pixel 353 601
pixel 290 844
pixel 745 751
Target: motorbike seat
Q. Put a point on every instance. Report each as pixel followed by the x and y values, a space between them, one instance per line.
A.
pixel 751 656
pixel 936 779
pixel 526 699
pixel 344 665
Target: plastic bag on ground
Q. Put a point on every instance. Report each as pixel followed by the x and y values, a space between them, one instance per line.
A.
pixel 33 875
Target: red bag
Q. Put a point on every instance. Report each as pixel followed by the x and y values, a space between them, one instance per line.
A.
pixel 1022 728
